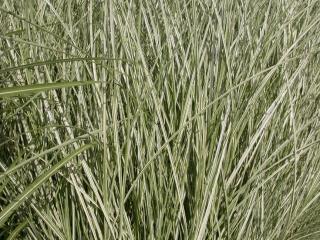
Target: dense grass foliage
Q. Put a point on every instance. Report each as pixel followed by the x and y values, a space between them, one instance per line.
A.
pixel 160 119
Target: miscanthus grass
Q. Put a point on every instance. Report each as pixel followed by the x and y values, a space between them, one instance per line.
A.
pixel 160 119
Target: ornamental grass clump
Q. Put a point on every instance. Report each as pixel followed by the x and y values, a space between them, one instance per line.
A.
pixel 148 119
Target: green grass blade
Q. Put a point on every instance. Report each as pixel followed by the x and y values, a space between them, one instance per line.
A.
pixel 35 88
pixel 17 230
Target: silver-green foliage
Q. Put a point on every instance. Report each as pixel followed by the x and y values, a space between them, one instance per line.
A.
pixel 160 119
